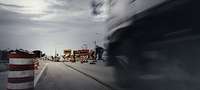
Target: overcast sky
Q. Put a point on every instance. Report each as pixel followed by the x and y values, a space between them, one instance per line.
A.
pixel 63 24
pixel 48 25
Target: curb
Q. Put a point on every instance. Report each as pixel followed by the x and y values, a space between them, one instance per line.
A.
pixel 92 77
pixel 40 74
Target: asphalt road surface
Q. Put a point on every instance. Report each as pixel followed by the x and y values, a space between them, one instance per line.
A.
pixel 60 77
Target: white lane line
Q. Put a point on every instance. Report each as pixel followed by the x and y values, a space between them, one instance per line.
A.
pixel 39 75
pixel 92 77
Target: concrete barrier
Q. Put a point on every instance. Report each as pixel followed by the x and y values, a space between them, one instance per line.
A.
pixel 21 71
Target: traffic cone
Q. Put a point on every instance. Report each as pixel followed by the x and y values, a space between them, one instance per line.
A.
pixel 21 71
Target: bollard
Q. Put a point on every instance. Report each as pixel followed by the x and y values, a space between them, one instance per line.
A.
pixel 21 71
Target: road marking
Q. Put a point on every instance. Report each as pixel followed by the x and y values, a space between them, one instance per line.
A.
pixel 92 77
pixel 39 75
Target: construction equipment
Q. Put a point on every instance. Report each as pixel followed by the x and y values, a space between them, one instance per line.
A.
pixel 84 55
pixel 67 54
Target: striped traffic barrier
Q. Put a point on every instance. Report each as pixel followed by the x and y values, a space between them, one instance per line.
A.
pixel 21 71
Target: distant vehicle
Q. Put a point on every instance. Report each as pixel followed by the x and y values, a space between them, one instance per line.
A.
pixel 56 59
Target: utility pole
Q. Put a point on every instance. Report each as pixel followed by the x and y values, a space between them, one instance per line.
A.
pixel 95 42
pixel 55 52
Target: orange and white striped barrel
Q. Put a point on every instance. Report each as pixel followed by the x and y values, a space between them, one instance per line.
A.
pixel 21 71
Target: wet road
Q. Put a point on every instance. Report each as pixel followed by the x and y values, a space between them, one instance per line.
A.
pixel 60 77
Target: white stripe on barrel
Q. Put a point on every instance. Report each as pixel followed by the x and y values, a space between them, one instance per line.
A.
pixel 21 74
pixel 20 61
pixel 23 86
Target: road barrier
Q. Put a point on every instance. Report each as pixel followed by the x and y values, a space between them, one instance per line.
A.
pixel 83 55
pixel 21 71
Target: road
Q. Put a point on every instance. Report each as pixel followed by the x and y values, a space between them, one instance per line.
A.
pixel 60 77
pixel 100 71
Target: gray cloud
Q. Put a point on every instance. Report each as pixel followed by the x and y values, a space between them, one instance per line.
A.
pixel 10 5
pixel 61 30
